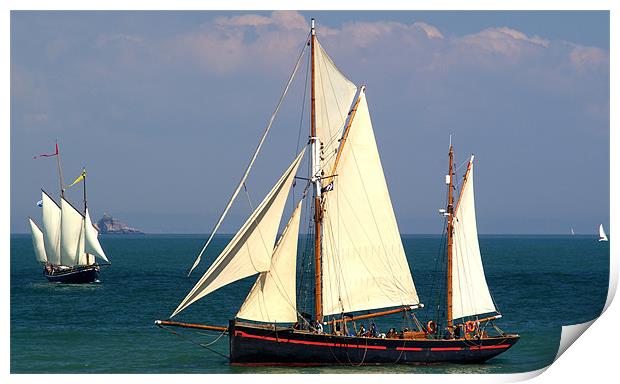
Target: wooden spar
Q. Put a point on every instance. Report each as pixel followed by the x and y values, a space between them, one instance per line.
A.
pixel 344 139
pixel 458 202
pixel 318 304
pixel 374 314
pixel 62 187
pixel 490 318
pixel 450 230
pixel 190 325
pixel 85 207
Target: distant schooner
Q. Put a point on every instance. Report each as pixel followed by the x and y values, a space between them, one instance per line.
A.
pixel 66 243
pixel 361 270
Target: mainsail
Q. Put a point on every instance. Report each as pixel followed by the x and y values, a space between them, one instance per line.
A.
pixel 72 235
pixel 91 243
pixel 470 293
pixel 250 250
pixel 37 242
pixel 273 298
pixel 51 228
pixel 334 95
pixel 601 233
pixel 364 265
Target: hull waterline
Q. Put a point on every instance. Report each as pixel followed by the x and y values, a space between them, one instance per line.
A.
pixel 76 275
pixel 256 346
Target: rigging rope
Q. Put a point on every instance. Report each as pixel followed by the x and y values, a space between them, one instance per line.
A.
pixel 247 171
pixel 205 346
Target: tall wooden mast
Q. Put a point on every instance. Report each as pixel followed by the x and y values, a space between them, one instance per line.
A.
pixel 62 187
pixel 85 207
pixel 450 233
pixel 316 179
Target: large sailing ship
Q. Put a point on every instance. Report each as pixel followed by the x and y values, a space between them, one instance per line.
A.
pixel 66 244
pixel 361 271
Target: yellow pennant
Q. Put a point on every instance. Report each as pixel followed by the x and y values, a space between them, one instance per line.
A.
pixel 80 178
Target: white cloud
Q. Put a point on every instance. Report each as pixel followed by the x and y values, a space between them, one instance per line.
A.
pixel 431 32
pixel 504 41
pixel 244 20
pixel 268 42
pixel 584 58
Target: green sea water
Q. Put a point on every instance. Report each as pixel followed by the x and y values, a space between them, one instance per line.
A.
pixel 538 282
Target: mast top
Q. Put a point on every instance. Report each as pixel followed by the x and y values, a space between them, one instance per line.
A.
pixel 312 26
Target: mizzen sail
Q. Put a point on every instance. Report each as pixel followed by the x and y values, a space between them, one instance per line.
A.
pixel 470 293
pixel 364 265
pixel 273 296
pixel 250 250
pixel 91 242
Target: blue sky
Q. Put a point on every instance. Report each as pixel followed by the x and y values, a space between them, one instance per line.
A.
pixel 165 108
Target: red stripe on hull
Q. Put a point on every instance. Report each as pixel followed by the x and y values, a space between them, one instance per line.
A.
pixel 280 340
pixel 268 346
pixel 408 349
pixel 325 344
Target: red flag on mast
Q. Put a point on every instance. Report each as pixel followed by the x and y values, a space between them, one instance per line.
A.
pixel 48 154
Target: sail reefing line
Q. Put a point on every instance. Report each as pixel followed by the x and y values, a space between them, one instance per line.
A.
pixel 249 167
pixel 250 250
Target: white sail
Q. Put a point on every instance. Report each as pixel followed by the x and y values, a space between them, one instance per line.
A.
pixel 37 242
pixel 250 250
pixel 334 94
pixel 601 233
pixel 273 296
pixel 363 262
pixel 91 243
pixel 72 235
pixel 51 228
pixel 470 293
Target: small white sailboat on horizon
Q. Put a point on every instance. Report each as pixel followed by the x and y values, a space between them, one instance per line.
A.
pixel 601 233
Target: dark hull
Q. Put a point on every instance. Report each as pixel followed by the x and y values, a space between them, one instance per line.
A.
pixel 75 275
pixel 256 345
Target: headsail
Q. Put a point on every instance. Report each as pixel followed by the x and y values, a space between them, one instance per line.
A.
pixel 470 293
pixel 364 265
pixel 37 242
pixel 601 233
pixel 334 95
pixel 91 243
pixel 72 235
pixel 250 250
pixel 273 296
pixel 51 228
